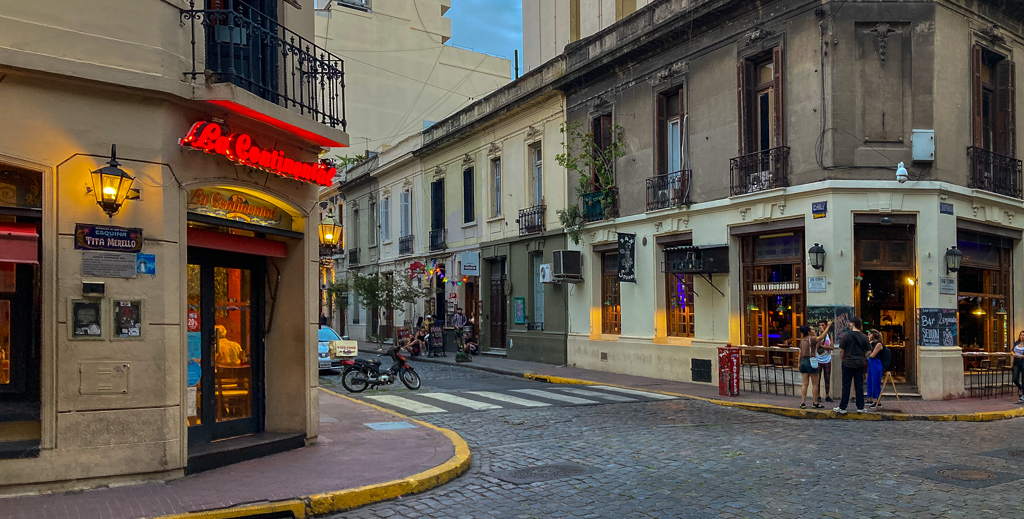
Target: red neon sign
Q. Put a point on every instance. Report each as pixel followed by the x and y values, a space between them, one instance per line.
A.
pixel 238 148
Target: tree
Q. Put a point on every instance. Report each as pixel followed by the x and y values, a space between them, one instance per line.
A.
pixel 595 172
pixel 387 290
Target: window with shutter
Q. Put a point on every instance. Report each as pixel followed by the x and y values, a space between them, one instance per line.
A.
pixel 468 196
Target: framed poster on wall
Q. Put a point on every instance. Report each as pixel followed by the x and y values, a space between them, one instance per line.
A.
pixel 86 319
pixel 519 310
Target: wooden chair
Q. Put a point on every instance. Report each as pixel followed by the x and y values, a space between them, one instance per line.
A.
pixel 786 369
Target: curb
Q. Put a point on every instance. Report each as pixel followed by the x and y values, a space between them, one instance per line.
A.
pixel 342 500
pixel 498 371
pixel 986 416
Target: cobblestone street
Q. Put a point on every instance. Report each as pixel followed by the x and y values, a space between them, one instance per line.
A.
pixel 685 458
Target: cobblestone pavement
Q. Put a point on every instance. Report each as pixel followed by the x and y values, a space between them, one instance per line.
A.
pixel 683 458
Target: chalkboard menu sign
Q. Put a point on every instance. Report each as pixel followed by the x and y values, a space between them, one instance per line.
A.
pixel 839 315
pixel 936 327
pixel 436 336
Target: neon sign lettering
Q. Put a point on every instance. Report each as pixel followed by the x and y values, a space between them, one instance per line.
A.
pixel 239 148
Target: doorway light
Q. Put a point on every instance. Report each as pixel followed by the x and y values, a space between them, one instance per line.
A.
pixel 911 281
pixel 978 310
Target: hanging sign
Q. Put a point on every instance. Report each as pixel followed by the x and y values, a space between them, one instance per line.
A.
pixel 470 263
pixel 240 207
pixel 108 238
pixel 240 149
pixel 627 258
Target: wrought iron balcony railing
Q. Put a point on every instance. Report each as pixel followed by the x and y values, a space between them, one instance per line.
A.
pixel 669 190
pixel 759 171
pixel 353 257
pixel 252 50
pixel 438 239
pixel 405 245
pixel 601 204
pixel 994 172
pixel 531 220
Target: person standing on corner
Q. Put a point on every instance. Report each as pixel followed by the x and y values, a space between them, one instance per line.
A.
pixel 875 368
pixel 1018 366
pixel 853 348
pixel 825 358
pixel 809 372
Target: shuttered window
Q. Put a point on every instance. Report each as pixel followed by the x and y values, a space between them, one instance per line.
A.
pixel 469 200
pixel 759 97
pixel 993 101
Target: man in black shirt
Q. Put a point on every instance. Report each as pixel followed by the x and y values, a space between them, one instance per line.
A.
pixel 853 348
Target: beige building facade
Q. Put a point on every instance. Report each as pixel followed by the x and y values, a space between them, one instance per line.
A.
pixel 859 144
pixel 401 76
pixel 189 314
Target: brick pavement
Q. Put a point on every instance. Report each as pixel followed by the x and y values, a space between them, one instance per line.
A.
pixel 911 406
pixel 347 455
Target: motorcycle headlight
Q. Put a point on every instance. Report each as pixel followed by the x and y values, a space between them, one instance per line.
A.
pixel 323 355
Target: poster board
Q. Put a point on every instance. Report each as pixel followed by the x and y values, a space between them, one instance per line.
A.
pixel 937 327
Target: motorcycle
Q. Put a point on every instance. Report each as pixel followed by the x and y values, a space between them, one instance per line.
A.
pixel 363 373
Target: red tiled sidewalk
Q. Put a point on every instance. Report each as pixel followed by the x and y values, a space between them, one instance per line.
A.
pixel 348 455
pixel 910 406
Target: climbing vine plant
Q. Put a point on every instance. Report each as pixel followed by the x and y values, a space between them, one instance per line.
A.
pixel 595 172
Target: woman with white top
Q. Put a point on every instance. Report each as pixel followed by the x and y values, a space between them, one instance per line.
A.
pixel 1018 366
pixel 824 354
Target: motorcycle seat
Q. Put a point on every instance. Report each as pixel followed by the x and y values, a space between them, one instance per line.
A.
pixel 368 362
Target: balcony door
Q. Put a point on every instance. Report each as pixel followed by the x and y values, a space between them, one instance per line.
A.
pixel 225 345
pixel 243 39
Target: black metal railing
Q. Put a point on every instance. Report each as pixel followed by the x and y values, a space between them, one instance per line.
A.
pixel 438 239
pixel 531 220
pixel 601 204
pixel 405 245
pixel 759 171
pixel 353 257
pixel 664 191
pixel 994 172
pixel 252 50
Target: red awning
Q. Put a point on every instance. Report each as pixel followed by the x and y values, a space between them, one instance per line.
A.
pixel 207 239
pixel 19 243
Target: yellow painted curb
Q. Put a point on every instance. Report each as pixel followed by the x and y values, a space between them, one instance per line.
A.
pixel 987 416
pixel 348 499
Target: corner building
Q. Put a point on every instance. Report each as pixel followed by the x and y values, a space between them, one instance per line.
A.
pixel 131 343
pixel 753 132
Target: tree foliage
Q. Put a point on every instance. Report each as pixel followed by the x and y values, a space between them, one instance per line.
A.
pixel 384 290
pixel 595 172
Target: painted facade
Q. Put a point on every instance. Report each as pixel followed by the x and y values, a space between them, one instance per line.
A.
pixel 127 375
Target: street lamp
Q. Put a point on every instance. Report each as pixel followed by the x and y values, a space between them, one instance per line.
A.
pixel 817 255
pixel 110 184
pixel 953 259
pixel 330 232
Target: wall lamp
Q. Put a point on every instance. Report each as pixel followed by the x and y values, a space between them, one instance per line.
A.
pixel 817 255
pixel 953 259
pixel 330 232
pixel 111 184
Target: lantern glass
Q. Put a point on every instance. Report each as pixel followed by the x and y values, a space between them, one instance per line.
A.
pixel 330 232
pixel 953 259
pixel 817 257
pixel 110 185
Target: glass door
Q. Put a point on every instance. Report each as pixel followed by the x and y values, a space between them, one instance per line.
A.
pixel 225 345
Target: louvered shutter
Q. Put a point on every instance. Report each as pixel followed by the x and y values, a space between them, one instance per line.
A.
pixel 976 97
pixel 777 118
pixel 743 99
pixel 1006 119
pixel 662 134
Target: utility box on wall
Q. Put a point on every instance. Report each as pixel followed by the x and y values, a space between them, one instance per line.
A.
pixel 923 144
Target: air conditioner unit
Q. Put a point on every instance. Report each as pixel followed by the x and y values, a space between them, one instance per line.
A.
pixel 567 266
pixel 545 273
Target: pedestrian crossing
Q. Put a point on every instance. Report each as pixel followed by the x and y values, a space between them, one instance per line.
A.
pixel 465 401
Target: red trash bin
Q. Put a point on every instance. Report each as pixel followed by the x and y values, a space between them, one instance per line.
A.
pixel 728 370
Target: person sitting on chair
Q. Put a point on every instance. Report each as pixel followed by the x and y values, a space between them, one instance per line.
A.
pixel 417 342
pixel 229 353
pixel 471 345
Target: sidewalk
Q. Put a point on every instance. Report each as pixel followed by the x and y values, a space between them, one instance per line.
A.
pixel 964 409
pixel 351 465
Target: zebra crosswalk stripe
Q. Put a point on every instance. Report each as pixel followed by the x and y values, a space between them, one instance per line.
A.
pixel 502 397
pixel 555 396
pixel 458 400
pixel 407 404
pixel 655 396
pixel 595 394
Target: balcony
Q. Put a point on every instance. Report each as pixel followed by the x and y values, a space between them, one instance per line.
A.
pixel 760 171
pixel 353 257
pixel 594 210
pixel 253 51
pixel 994 172
pixel 531 220
pixel 438 239
pixel 664 191
pixel 405 245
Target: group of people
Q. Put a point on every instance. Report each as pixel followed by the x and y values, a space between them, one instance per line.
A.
pixel 418 343
pixel 858 352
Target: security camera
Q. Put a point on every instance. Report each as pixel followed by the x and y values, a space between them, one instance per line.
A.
pixel 901 173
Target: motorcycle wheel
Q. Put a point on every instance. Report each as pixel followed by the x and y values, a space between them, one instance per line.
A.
pixel 355 379
pixel 410 378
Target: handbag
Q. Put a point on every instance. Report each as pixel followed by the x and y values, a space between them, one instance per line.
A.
pixel 814 362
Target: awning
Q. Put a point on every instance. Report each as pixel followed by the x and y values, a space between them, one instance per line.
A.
pixel 206 239
pixel 19 243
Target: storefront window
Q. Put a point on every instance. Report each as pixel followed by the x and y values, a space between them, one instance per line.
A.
pixel 233 344
pixel 679 304
pixel 611 311
pixel 983 293
pixel 773 289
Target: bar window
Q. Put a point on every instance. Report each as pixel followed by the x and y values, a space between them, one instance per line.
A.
pixel 611 311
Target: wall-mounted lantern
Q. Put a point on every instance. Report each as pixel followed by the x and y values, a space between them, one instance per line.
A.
pixel 111 184
pixel 953 259
pixel 330 232
pixel 817 256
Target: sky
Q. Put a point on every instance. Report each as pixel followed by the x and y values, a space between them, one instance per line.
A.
pixel 489 26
